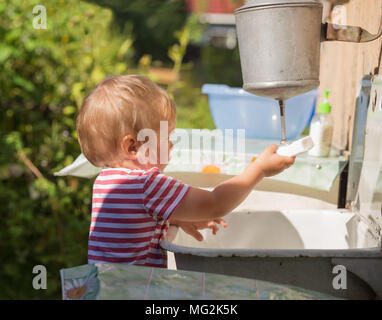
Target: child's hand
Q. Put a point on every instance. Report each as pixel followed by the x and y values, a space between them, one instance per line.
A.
pixel 192 227
pixel 271 163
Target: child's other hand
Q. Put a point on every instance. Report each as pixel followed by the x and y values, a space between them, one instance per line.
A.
pixel 271 163
pixel 192 228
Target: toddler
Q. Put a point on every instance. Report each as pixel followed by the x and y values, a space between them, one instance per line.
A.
pixel 133 201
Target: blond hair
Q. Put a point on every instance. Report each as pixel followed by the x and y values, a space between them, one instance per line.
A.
pixel 118 106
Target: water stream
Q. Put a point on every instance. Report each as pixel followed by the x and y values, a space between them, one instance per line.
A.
pixel 284 140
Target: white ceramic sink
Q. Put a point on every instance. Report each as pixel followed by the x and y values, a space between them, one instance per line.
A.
pixel 287 229
pixel 291 246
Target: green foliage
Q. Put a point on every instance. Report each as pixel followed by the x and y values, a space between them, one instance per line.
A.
pixel 221 66
pixel 153 23
pixel 192 106
pixel 44 76
pixel 193 110
pixel 197 116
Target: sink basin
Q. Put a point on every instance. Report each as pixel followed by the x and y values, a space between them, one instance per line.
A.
pixel 288 229
pixel 294 247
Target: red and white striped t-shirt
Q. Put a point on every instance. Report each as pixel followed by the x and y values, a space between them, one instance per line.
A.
pixel 130 213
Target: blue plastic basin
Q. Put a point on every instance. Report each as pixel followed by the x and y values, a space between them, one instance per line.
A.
pixel 234 108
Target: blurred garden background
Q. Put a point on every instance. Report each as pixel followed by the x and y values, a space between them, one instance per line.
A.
pixel 44 76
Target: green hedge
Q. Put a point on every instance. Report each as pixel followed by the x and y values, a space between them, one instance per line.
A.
pixel 44 75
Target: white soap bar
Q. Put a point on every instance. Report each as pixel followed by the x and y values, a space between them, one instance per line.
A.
pixel 296 148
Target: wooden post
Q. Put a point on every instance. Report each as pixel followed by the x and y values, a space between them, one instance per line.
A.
pixel 344 64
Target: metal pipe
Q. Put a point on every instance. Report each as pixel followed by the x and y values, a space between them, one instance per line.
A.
pixel 282 118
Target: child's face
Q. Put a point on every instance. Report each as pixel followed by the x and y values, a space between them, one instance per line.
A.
pixel 156 155
pixel 146 155
pixel 165 146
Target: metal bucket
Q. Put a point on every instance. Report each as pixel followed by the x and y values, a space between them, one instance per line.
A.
pixel 280 48
pixel 279 43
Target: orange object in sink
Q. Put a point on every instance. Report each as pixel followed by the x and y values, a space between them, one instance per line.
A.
pixel 211 169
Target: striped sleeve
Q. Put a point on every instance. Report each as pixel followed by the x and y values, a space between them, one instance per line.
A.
pixel 162 195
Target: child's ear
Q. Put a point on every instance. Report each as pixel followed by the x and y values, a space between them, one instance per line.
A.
pixel 129 147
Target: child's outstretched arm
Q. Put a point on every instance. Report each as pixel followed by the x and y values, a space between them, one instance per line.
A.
pixel 201 204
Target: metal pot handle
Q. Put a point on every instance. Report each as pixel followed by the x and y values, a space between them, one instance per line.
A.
pixel 335 32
